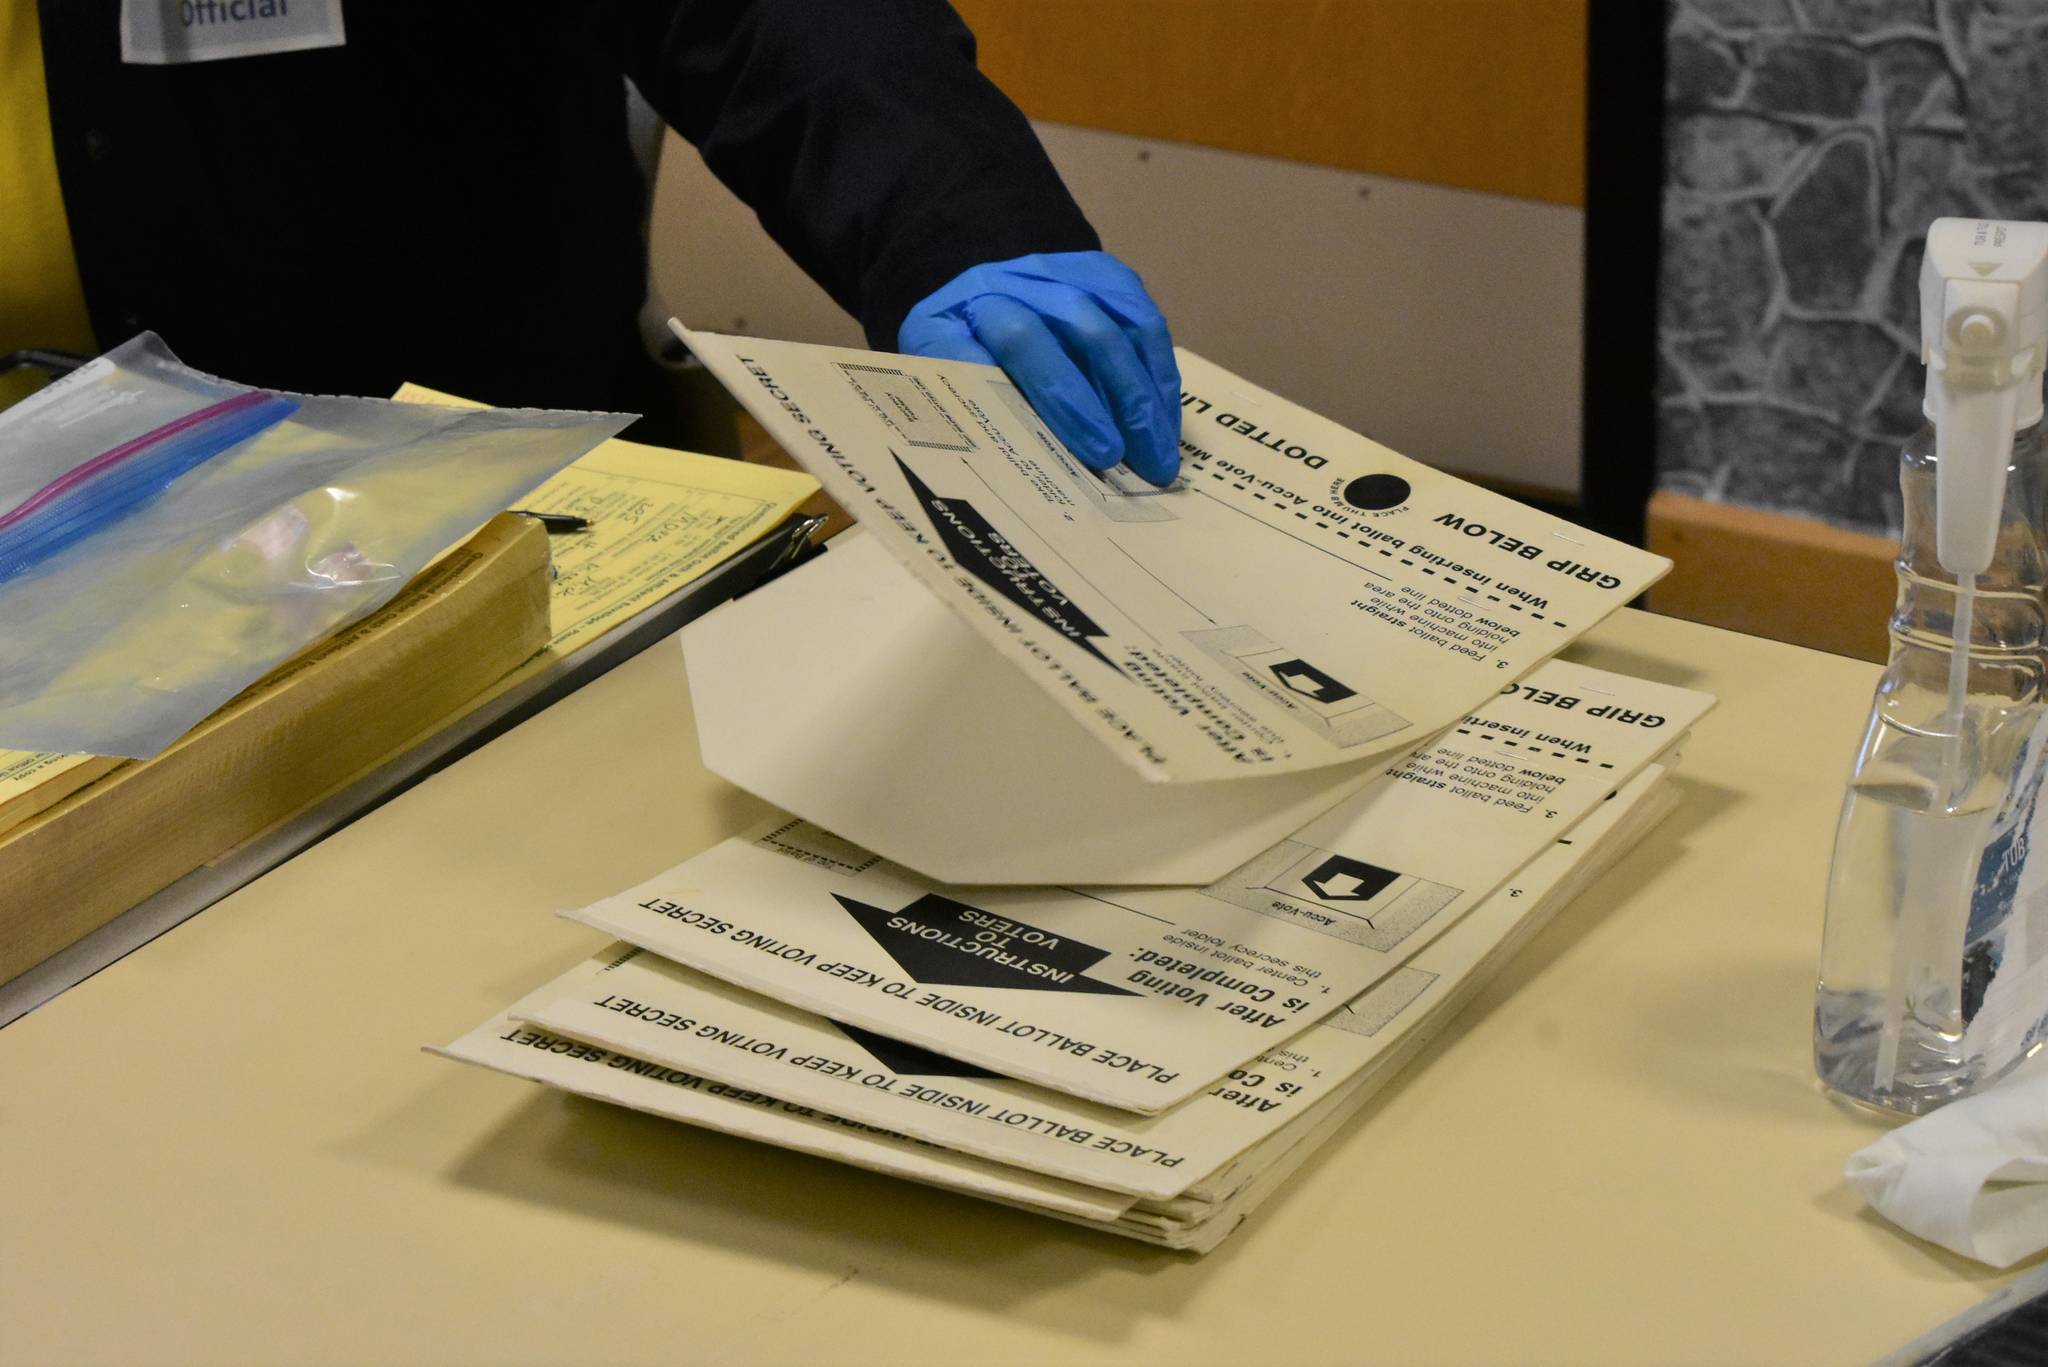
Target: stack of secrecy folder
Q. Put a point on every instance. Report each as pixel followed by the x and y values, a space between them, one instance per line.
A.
pixel 1129 839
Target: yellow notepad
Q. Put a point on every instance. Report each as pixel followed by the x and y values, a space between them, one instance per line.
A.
pixel 659 518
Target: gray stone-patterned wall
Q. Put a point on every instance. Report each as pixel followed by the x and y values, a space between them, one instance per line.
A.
pixel 1808 145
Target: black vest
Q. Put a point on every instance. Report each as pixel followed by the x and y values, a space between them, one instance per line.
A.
pixel 451 198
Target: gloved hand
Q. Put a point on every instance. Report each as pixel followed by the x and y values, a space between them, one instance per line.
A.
pixel 1082 339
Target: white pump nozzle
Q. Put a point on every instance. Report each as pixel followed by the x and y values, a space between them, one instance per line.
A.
pixel 1983 338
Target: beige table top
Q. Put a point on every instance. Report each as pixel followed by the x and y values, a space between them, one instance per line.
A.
pixel 228 1147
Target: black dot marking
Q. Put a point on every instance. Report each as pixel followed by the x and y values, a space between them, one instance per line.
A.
pixel 1377 493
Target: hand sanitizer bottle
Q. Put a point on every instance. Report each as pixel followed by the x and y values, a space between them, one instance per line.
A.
pixel 1903 957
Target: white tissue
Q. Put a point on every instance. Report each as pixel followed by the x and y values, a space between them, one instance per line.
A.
pixel 1972 1176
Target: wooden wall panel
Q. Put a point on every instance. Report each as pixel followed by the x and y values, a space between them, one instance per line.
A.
pixel 1771 574
pixel 1479 94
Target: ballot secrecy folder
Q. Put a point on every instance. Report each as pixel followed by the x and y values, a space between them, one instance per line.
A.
pixel 1031 672
pixel 1378 1034
pixel 1138 998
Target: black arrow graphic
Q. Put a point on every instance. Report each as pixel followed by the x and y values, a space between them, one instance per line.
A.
pixel 940 941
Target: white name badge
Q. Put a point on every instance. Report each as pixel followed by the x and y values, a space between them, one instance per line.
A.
pixel 169 32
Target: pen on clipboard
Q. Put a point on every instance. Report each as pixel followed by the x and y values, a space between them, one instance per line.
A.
pixel 556 523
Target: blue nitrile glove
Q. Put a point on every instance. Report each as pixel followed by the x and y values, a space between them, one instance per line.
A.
pixel 1082 339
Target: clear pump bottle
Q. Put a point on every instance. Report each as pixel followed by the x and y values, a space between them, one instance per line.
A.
pixel 1912 914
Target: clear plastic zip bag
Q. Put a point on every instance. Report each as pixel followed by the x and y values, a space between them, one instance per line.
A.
pixel 166 538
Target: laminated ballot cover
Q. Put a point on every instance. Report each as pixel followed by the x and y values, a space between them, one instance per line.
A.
pixel 1302 597
pixel 1213 1142
pixel 1140 997
pixel 506 1044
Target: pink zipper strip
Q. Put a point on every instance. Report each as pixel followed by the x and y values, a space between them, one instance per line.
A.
pixel 78 475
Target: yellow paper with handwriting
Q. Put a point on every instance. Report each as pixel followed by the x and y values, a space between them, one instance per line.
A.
pixel 659 518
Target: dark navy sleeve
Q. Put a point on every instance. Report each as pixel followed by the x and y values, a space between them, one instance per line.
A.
pixel 863 135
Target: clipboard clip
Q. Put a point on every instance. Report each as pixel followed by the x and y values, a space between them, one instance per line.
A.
pixel 800 544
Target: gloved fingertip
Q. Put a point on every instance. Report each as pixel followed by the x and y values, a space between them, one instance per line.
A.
pixel 1098 455
pixel 1096 444
pixel 1156 457
pixel 1160 472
